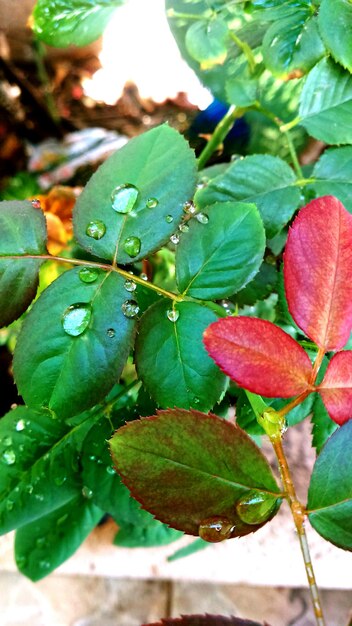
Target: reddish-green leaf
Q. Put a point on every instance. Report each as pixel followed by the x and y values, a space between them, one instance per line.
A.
pixel 317 271
pixel 204 620
pixel 336 388
pixel 259 356
pixel 186 467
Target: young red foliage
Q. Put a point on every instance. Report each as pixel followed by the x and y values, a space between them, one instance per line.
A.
pixel 336 388
pixel 317 272
pixel 259 356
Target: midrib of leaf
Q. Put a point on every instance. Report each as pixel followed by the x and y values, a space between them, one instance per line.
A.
pixel 330 107
pixel 205 473
pixel 178 348
pixel 330 506
pixel 214 253
pixel 333 288
pixel 255 195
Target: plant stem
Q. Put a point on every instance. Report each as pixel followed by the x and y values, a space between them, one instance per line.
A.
pixel 298 518
pixel 246 49
pixel 44 79
pixel 291 405
pixel 219 134
pixel 293 153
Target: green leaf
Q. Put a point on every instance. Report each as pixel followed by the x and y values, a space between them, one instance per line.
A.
pixel 154 533
pixel 171 359
pixel 335 25
pixel 187 467
pixel 23 231
pixel 326 103
pixel 265 180
pixel 39 466
pixel 332 174
pixel 206 42
pixel 217 258
pixel 161 168
pixel 323 426
pixel 61 23
pixel 44 544
pixel 191 548
pixel 74 342
pixel 293 43
pixel 262 285
pixel 330 490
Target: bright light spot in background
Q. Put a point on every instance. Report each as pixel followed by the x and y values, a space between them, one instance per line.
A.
pixel 139 47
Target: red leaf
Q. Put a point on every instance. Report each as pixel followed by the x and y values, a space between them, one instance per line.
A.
pixel 259 356
pixel 204 620
pixel 317 272
pixel 336 388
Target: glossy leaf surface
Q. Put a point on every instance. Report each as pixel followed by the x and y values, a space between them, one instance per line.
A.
pixel 23 231
pixel 259 356
pixel 322 424
pixel 171 359
pixel 204 620
pixel 317 270
pixel 336 388
pixel 332 174
pixel 162 169
pixel 337 36
pixel 326 103
pixel 186 467
pixel 265 180
pixel 330 490
pixel 216 259
pixel 44 544
pixel 74 343
pixel 61 23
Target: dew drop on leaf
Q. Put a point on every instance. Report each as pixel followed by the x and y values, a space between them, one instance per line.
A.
pixel 130 308
pixel 9 457
pixel 88 274
pixel 9 505
pixel 96 229
pixel 86 492
pixel 189 208
pixel 44 564
pixel 29 488
pixel 40 542
pixel 255 507
pixel 132 246
pixel 215 529
pixel 175 239
pixel 129 285
pixel 124 198
pixel 21 561
pixel 20 425
pixel 202 218
pixel 184 228
pixel 7 441
pixel 169 219
pixel 76 318
pixel 110 470
pixel 152 203
pixel 110 332
pixel 172 315
pixel 143 276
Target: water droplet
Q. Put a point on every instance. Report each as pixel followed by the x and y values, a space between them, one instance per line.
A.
pixel 172 315
pixel 29 488
pixel 175 239
pixel 13 406
pixel 36 203
pixel 200 185
pixel 7 441
pixel 202 218
pixel 61 520
pixel 9 505
pixel 20 425
pixel 88 274
pixel 189 208
pixel 110 470
pixel 196 400
pixel 110 332
pixel 169 219
pixel 9 457
pixel 130 308
pixel 124 198
pixel 21 562
pixel 229 307
pixel 143 276
pixel 59 480
pixel 92 457
pixel 152 203
pixel 44 564
pixel 215 529
pixel 76 318
pixel 96 229
pixel 184 228
pixel 129 285
pixel 255 507
pixel 39 497
pixel 132 246
pixel 40 542
pixel 87 493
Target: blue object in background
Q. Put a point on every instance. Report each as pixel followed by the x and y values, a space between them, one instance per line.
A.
pixel 205 123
